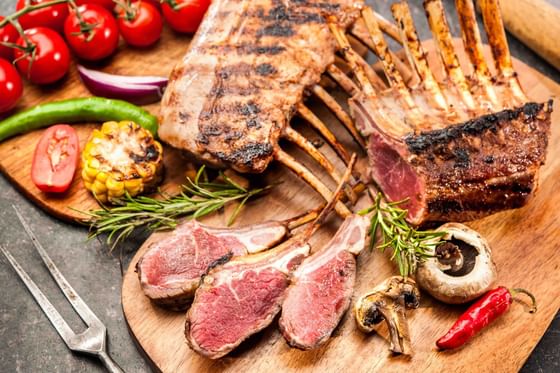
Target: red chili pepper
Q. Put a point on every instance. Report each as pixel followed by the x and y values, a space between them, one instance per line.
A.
pixel 481 313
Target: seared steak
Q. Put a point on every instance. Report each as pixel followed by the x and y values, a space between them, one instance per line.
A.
pixel 322 287
pixel 170 271
pixel 241 298
pixel 229 99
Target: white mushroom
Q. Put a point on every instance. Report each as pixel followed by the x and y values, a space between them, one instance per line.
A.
pixel 451 277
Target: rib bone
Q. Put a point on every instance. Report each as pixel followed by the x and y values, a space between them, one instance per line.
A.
pixel 473 47
pixel 416 55
pixel 440 30
pixel 311 179
pixel 497 39
pixel 306 145
pixel 474 137
pixel 340 113
pixel 316 123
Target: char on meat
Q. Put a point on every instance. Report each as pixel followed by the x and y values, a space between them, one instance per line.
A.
pixel 241 298
pixel 460 144
pixel 322 286
pixel 235 90
pixel 464 171
pixel 171 270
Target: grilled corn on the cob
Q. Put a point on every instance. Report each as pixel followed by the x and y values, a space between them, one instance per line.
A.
pixel 121 157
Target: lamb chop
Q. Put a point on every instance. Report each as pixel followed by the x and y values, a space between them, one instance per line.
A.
pixel 460 147
pixel 231 98
pixel 242 297
pixel 171 270
pixel 322 286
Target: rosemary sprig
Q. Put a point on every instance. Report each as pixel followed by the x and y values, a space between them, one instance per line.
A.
pixel 410 246
pixel 197 199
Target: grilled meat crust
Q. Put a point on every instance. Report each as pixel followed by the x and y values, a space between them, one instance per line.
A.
pixel 476 168
pixel 236 89
pixel 484 165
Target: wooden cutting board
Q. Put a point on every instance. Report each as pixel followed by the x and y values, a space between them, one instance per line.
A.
pixel 524 241
pixel 16 154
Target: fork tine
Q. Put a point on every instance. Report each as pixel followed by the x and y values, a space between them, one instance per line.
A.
pixel 79 305
pixel 65 332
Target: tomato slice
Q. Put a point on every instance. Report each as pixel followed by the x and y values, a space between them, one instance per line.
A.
pixel 55 159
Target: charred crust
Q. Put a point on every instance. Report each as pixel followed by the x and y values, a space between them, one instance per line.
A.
pixel 462 159
pixel 150 154
pixel 183 116
pixel 265 69
pixel 244 49
pixel 253 123
pixel 268 50
pixel 517 197
pixel 424 141
pixel 489 159
pixel 247 154
pixel 281 13
pixel 276 30
pixel 249 109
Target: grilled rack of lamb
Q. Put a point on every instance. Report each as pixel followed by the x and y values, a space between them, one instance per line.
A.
pixel 460 147
pixel 322 286
pixel 231 98
pixel 243 296
pixel 171 270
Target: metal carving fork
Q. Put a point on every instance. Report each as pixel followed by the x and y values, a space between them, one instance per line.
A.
pixel 93 340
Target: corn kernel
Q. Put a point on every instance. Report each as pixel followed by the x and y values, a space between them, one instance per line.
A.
pixel 108 169
pixel 98 187
pixel 102 177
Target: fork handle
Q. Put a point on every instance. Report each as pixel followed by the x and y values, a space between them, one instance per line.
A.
pixel 109 363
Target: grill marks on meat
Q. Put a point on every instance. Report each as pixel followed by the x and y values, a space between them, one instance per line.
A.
pixel 236 89
pixel 172 268
pixel 241 298
pixel 322 287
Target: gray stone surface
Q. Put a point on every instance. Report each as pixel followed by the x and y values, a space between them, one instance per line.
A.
pixel 28 343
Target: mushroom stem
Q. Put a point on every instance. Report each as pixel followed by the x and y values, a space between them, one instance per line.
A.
pixel 450 257
pixel 388 301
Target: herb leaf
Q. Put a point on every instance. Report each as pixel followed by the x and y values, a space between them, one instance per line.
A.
pixel 197 199
pixel 410 246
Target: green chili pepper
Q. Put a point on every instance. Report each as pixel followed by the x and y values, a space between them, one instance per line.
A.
pixel 89 109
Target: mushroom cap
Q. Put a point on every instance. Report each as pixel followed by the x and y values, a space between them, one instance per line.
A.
pixel 459 289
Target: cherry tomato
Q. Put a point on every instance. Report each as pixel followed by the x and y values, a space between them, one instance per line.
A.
pixel 155 3
pixel 10 86
pixel 52 57
pixel 184 15
pixel 55 159
pixel 52 16
pixel 107 4
pixel 141 25
pixel 100 41
pixel 8 34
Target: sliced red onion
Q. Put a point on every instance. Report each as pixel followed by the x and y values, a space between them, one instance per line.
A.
pixel 139 90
